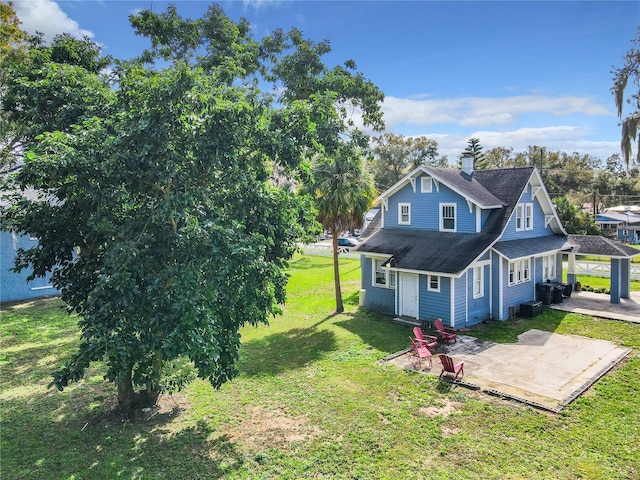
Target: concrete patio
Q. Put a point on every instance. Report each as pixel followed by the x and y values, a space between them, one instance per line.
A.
pixel 599 305
pixel 543 369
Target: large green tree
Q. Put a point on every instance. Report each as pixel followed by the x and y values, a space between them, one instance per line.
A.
pixel 394 155
pixel 574 219
pixel 630 71
pixel 13 43
pixel 49 87
pixel 158 218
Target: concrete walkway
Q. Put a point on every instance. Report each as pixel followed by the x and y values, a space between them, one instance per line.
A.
pixel 599 305
pixel 543 369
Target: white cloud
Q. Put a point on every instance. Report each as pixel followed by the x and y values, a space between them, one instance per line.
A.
pixel 483 111
pixel 47 17
pixel 555 138
pixel 258 4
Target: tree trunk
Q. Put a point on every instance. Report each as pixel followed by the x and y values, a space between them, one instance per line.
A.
pixel 126 394
pixel 149 396
pixel 336 272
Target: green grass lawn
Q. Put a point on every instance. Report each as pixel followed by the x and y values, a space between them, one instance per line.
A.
pixel 312 401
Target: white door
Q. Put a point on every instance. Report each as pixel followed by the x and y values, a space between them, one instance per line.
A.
pixel 409 295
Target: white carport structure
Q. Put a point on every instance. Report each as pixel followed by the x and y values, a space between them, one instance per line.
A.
pixel 619 255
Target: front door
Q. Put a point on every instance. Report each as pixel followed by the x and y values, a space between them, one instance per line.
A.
pixel 409 295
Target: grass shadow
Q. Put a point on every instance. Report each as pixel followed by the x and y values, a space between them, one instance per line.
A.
pixel 377 331
pixel 277 353
pixel 307 263
pixel 95 446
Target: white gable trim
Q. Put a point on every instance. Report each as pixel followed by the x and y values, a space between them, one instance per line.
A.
pixel 545 202
pixel 470 205
pixel 535 191
pixel 411 178
pixel 548 219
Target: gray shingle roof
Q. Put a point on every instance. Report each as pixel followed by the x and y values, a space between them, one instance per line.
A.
pixel 514 249
pixel 469 186
pixel 426 250
pixel 594 245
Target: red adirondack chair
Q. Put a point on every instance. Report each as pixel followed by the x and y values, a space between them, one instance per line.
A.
pixel 420 353
pixel 425 340
pixel 448 367
pixel 446 334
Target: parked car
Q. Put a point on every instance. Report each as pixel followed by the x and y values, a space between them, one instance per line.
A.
pixel 347 242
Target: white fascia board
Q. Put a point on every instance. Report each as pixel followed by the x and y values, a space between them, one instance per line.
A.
pixel 426 272
pixel 546 201
pixel 410 177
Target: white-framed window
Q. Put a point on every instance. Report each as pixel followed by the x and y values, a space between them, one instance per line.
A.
pixel 549 267
pixel 519 271
pixel 528 216
pixel 426 185
pixel 448 217
pixel 519 217
pixel 433 283
pixel 383 276
pixel 404 214
pixel 478 282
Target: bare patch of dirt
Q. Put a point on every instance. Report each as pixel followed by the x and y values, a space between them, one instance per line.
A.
pixel 167 408
pixel 445 410
pixel 447 431
pixel 273 427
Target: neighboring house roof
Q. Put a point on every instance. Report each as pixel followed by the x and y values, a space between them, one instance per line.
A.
pixel 448 252
pixel 374 225
pixel 624 208
pixel 613 217
pixel 594 245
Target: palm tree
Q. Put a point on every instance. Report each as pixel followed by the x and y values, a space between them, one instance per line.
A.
pixel 630 69
pixel 342 191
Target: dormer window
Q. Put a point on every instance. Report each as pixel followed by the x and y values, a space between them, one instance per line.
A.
pixel 519 217
pixel 426 184
pixel 404 214
pixel 528 216
pixel 448 217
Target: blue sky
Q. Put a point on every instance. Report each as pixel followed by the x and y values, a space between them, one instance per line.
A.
pixel 511 73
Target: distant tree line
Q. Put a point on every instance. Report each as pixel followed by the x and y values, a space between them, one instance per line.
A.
pixel 583 178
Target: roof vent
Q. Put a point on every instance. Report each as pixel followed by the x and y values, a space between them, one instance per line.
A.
pixel 467 159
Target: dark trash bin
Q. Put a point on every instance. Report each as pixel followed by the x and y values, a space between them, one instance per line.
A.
pixel 530 309
pixel 568 288
pixel 544 292
pixel 558 292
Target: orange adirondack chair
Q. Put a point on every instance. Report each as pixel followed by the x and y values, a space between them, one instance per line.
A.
pixel 420 352
pixel 448 367
pixel 425 340
pixel 446 333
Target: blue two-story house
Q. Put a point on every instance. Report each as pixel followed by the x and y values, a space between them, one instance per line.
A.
pixel 461 245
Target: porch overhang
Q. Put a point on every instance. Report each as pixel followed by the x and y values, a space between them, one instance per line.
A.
pixel 516 249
